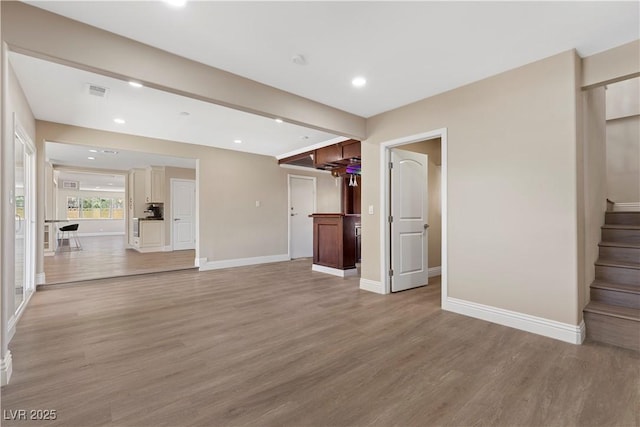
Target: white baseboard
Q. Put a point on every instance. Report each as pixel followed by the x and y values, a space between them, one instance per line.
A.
pixel 167 248
pixel 334 271
pixel 371 286
pixel 6 368
pixel 241 262
pixel 199 262
pixel 632 206
pixel 435 271
pixel 41 279
pixel 149 249
pixel 549 328
pixel 102 233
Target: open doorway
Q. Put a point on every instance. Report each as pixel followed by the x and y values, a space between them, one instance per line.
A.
pixel 105 213
pixel 423 253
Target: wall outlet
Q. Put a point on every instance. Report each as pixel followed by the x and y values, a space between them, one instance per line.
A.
pixel 257 203
pixel 370 209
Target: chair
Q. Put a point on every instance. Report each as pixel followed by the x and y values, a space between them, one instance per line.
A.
pixel 71 231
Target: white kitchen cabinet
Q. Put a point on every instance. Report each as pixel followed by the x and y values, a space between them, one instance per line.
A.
pixel 151 235
pixel 154 184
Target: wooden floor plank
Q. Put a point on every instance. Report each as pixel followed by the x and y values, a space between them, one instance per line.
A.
pixel 279 345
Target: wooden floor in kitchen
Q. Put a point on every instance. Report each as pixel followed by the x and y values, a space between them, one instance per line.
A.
pixel 279 345
pixel 107 256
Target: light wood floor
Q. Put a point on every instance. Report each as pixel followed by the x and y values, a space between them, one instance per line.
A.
pixel 106 256
pixel 279 345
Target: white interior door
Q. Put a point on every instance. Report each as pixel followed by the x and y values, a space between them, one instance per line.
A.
pixel 409 212
pixel 183 209
pixel 302 203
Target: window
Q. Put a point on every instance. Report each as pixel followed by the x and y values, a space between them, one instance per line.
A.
pixel 95 208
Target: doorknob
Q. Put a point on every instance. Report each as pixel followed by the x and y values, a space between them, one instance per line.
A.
pixel 294 214
pixel 426 226
pixel 176 219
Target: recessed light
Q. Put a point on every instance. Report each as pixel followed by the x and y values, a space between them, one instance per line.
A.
pixel 91 158
pixel 119 121
pixel 135 84
pixel 97 188
pixel 93 151
pixel 176 3
pixel 237 141
pixel 279 120
pixel 109 152
pixel 185 113
pixel 299 59
pixel 109 183
pixel 359 81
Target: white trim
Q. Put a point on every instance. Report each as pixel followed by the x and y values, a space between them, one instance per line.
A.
pixel 41 278
pixel 323 144
pixel 315 200
pixel 371 286
pixel 240 262
pixel 199 262
pixel 11 330
pixel 169 248
pixel 385 240
pixel 573 334
pixel 6 368
pixel 148 249
pixel 102 233
pixel 334 271
pixel 435 271
pixel 630 207
pixel 305 169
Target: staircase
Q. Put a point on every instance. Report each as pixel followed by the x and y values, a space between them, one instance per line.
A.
pixel 613 315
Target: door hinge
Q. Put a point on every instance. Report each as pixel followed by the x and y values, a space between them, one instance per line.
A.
pixel 390 272
pixel 390 219
pixel 390 165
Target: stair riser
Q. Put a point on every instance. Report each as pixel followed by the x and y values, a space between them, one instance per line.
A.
pixel 622 218
pixel 613 330
pixel 612 297
pixel 626 276
pixel 621 236
pixel 611 253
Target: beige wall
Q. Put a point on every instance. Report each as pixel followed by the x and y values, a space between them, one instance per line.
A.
pixel 623 99
pixel 229 183
pixel 623 159
pixel 432 148
pixel 611 65
pixel 512 179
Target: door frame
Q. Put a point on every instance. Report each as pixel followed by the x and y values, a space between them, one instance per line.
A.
pixel 195 208
pixel 385 205
pixel 30 237
pixel 315 203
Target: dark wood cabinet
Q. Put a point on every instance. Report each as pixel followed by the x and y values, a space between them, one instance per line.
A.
pixel 351 149
pixel 351 195
pixel 334 240
pixel 328 155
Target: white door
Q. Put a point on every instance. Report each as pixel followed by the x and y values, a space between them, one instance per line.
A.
pixel 302 203
pixel 183 208
pixel 409 212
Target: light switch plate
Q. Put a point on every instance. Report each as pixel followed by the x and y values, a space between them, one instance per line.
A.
pixel 370 209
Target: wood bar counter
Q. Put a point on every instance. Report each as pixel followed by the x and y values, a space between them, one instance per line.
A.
pixel 334 243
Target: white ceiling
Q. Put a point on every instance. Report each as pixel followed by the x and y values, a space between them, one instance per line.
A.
pixel 406 50
pixel 59 154
pixel 93 181
pixel 62 97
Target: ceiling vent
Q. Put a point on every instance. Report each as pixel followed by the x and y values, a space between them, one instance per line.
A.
pixel 71 185
pixel 98 91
